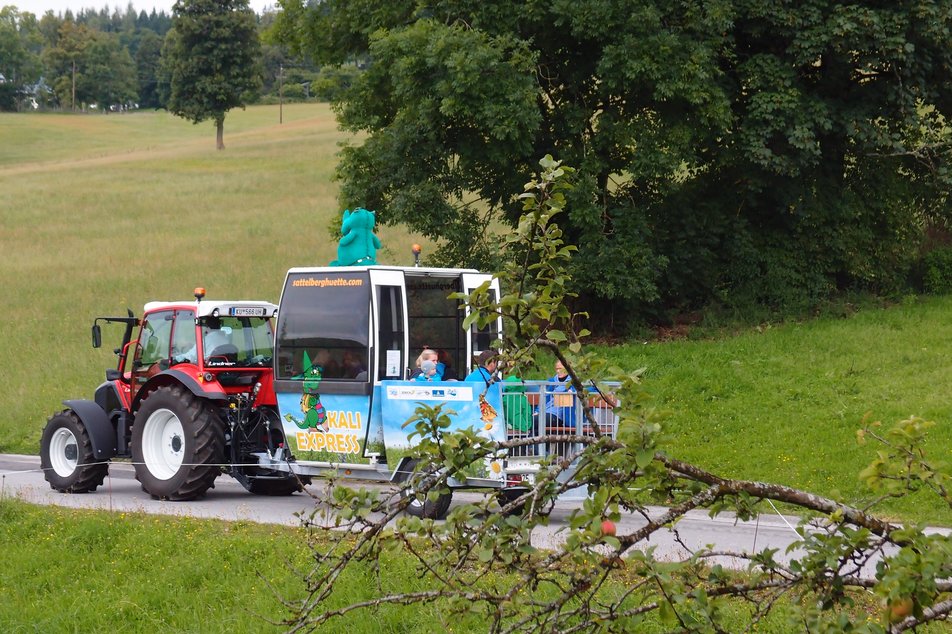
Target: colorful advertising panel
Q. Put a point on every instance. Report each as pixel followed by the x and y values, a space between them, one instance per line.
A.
pixel 343 429
pixel 401 398
pixel 329 427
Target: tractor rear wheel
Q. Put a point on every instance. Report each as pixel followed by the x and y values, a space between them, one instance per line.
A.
pixel 178 443
pixel 66 455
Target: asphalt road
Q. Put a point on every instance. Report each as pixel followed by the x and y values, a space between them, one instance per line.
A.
pixel 20 476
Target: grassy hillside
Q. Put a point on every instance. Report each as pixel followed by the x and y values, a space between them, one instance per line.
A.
pixel 104 212
pixel 783 404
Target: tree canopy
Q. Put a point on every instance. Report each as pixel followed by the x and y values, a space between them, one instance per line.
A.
pixel 210 56
pixel 19 54
pixel 732 151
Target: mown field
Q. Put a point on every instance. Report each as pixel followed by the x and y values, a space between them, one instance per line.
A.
pixel 104 212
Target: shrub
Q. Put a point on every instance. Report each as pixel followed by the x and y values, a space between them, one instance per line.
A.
pixel 937 271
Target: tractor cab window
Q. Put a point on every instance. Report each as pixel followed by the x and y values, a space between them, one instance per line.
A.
pixel 183 337
pixel 236 341
pixel 155 337
pixel 324 322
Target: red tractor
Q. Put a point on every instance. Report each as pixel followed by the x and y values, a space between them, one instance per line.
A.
pixel 191 397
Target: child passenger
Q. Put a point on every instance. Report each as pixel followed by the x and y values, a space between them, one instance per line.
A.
pixel 427 371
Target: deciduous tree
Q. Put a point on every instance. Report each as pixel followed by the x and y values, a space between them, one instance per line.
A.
pixel 729 150
pixel 65 62
pixel 109 76
pixel 19 55
pixel 210 56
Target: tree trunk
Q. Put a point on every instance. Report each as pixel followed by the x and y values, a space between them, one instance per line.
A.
pixel 220 133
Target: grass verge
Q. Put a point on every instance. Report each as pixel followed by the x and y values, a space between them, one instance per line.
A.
pixel 68 570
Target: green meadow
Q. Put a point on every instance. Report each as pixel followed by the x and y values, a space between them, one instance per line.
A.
pixel 79 571
pixel 782 403
pixel 104 212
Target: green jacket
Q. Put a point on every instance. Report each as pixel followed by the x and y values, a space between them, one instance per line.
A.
pixel 515 405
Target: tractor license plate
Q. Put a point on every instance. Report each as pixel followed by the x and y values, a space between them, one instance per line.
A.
pixel 246 311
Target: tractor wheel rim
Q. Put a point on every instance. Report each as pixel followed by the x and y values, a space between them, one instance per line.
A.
pixel 163 444
pixel 64 452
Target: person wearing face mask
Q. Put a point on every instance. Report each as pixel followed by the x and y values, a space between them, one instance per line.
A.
pixel 428 354
pixel 560 400
pixel 427 371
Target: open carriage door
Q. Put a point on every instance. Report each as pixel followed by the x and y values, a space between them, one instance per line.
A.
pixel 389 347
pixel 480 339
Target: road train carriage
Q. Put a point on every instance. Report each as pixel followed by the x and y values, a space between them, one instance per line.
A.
pixel 346 342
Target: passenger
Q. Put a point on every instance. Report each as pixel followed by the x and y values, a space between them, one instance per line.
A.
pixel 520 419
pixel 448 373
pixel 353 365
pixel 431 355
pixel 427 371
pixel 486 367
pixel 516 405
pixel 560 399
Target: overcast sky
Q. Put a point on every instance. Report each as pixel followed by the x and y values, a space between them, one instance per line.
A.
pixel 39 7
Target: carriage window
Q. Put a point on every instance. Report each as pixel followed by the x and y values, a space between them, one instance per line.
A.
pixel 390 332
pixel 436 322
pixel 324 322
pixel 488 337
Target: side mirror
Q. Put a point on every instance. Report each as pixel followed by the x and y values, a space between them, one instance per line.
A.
pixel 97 336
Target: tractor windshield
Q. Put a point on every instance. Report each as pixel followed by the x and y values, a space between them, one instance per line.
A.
pixel 237 341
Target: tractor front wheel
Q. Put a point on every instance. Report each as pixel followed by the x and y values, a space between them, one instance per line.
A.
pixel 178 444
pixel 66 455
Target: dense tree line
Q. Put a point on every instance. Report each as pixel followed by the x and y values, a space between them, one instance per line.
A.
pixel 102 60
pixel 69 61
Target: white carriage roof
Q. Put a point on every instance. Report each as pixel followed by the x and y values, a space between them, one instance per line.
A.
pixel 418 270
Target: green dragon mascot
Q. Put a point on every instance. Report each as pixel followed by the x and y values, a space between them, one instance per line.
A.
pixel 358 245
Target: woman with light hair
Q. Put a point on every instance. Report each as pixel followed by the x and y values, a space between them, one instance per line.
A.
pixel 429 354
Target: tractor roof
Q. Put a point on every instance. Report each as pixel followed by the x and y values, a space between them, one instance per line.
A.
pixel 223 308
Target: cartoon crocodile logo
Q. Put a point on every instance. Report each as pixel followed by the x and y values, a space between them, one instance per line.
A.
pixel 315 416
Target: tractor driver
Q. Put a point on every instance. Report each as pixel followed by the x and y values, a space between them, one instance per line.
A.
pixel 215 339
pixel 214 336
